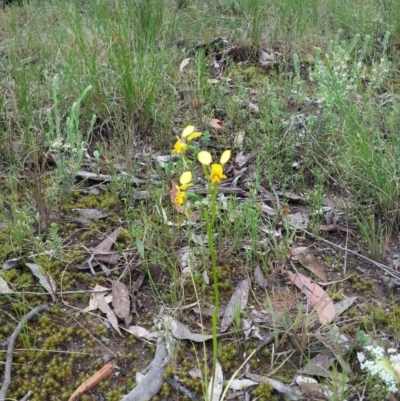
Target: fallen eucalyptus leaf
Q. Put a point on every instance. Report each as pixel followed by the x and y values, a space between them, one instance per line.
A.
pixel 343 305
pixel 103 306
pixel 4 288
pixel 45 279
pixel 182 332
pixel 316 295
pixel 214 393
pixel 240 384
pixel 141 332
pixel 303 255
pixel 259 278
pixel 121 301
pixel 237 303
pixel 319 365
pixel 93 305
pixel 293 393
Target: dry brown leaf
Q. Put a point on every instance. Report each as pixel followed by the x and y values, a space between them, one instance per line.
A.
pixel 259 278
pixel 96 296
pixel 121 301
pixel 216 124
pixel 303 255
pixel 107 243
pixel 316 295
pixel 93 380
pixel 103 306
pixel 237 302
pixel 45 279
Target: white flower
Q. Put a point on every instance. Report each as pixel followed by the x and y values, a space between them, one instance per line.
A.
pixel 386 368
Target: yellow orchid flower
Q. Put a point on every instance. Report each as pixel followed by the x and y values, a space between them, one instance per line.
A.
pixel 179 146
pixel 185 180
pixel 187 136
pixel 216 169
pixel 216 173
pixel 180 197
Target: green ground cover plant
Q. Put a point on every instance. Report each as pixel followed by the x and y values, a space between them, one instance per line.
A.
pixel 189 161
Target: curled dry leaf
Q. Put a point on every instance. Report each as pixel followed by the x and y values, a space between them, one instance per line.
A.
pixel 96 296
pixel 93 380
pixel 303 255
pixel 141 332
pixel 184 64
pixel 45 279
pixel 11 263
pixel 237 302
pixel 316 295
pixel 182 332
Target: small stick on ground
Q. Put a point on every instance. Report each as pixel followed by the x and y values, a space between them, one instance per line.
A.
pixel 181 389
pixel 27 396
pixel 10 347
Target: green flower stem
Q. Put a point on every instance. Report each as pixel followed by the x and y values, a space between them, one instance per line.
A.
pixel 213 203
pixel 210 228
